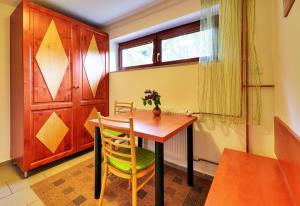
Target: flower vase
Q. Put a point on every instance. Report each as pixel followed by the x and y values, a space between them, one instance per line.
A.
pixel 156 111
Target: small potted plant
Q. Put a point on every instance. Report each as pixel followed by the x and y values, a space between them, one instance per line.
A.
pixel 152 98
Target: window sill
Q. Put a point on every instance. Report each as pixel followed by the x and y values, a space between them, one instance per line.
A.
pixel 156 66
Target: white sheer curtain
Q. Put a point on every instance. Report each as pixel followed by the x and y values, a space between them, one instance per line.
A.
pixel 221 95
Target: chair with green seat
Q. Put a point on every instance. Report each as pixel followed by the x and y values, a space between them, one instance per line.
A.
pixel 124 160
pixel 123 107
pixel 120 107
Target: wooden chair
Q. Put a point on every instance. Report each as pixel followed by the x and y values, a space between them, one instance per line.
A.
pixel 120 107
pixel 123 107
pixel 125 161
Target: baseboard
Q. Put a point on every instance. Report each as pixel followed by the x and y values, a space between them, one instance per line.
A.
pixel 196 173
pixel 8 162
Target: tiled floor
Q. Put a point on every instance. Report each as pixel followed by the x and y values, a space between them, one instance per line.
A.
pixel 75 187
pixel 16 191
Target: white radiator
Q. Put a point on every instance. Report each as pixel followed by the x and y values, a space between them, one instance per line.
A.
pixel 175 149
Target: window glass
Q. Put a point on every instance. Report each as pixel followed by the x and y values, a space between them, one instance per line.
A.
pixel 208 45
pixel 139 55
pixel 181 47
pixel 194 45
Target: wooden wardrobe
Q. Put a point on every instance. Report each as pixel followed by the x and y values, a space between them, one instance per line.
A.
pixel 59 80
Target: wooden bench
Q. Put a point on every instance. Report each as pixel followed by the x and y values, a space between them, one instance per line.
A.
pixel 244 179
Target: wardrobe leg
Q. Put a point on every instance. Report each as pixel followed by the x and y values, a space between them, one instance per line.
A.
pixel 25 174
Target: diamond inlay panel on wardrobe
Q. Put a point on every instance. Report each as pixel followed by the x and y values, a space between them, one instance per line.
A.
pixel 52 132
pixel 92 66
pixel 94 55
pixel 90 128
pixel 52 59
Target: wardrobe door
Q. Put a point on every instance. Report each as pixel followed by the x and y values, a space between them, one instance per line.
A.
pixel 93 83
pixel 51 88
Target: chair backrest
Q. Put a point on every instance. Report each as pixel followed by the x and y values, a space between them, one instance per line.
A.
pixel 123 107
pixel 111 146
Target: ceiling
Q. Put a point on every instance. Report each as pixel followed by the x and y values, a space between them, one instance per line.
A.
pixel 10 2
pixel 98 12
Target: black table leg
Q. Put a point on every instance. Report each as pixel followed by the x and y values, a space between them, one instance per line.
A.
pixel 190 166
pixel 98 159
pixel 140 142
pixel 159 174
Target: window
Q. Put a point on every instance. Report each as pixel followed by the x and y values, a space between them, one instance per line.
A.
pixel 177 45
pixel 139 55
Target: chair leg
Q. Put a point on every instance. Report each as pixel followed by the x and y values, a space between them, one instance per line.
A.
pixel 104 178
pixel 129 184
pixel 134 190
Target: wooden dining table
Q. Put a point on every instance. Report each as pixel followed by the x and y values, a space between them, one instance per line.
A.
pixel 158 129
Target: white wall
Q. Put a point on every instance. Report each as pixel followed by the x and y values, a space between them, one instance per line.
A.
pixel 287 65
pixel 5 12
pixel 178 85
pixel 262 136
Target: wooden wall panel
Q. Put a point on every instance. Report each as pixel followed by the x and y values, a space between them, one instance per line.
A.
pixel 287 149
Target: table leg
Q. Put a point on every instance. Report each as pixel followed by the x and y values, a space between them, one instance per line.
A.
pixel 140 142
pixel 190 166
pixel 98 160
pixel 159 174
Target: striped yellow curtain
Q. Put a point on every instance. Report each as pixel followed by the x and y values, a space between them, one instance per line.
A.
pixel 221 73
pixel 255 101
